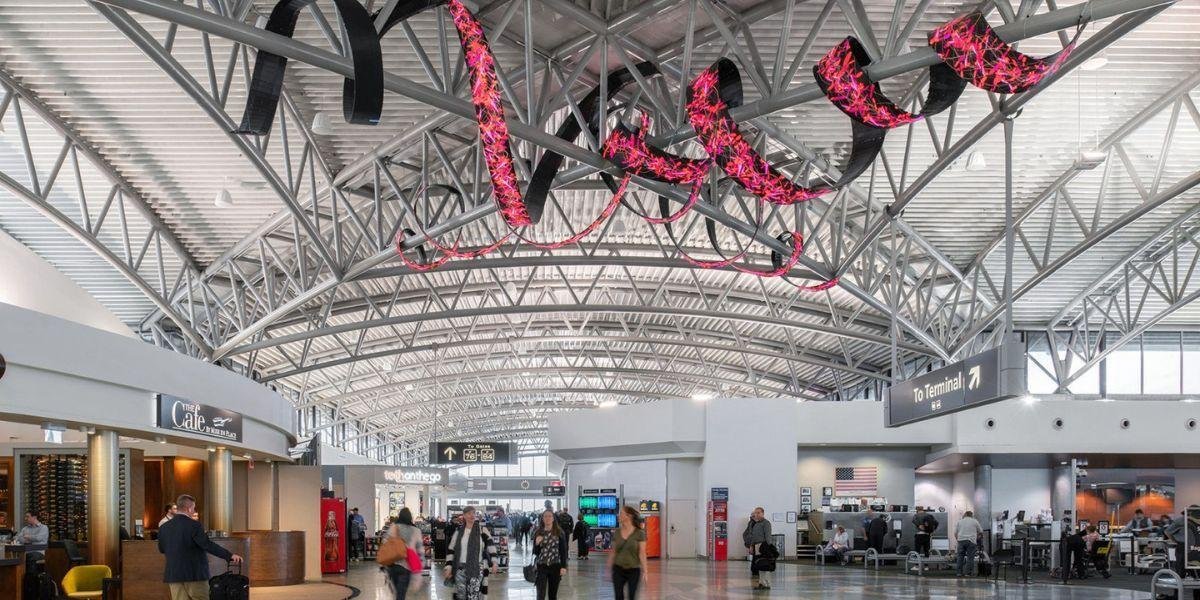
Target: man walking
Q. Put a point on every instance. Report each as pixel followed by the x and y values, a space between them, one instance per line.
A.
pixel 183 541
pixel 966 533
pixel 758 532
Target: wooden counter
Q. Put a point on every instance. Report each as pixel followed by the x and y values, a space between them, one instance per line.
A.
pixel 277 557
pixel 12 571
pixel 142 566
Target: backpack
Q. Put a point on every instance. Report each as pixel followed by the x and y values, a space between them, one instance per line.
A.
pixel 46 588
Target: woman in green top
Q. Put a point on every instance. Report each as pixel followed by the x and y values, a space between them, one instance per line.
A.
pixel 628 556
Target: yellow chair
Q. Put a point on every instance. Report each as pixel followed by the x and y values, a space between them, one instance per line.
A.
pixel 87 581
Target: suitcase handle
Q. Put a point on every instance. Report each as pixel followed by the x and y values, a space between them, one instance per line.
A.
pixel 229 567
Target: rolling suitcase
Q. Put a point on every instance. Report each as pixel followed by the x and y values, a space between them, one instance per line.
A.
pixel 229 585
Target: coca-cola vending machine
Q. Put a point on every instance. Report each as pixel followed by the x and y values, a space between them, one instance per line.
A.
pixel 333 535
pixel 718 524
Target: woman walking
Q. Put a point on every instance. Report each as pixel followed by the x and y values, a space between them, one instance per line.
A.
pixel 628 556
pixel 399 571
pixel 581 534
pixel 550 556
pixel 469 557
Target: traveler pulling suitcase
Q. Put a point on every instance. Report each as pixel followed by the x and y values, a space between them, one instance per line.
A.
pixel 229 585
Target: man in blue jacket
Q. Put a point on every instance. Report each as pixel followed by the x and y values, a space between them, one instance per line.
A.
pixel 183 541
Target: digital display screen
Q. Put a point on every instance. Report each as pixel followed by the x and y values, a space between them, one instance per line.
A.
pixel 607 521
pixel 607 503
pixel 587 502
pixel 591 520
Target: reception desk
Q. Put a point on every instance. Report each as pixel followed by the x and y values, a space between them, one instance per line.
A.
pixel 142 566
pixel 277 557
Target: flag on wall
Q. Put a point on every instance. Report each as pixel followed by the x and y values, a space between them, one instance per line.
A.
pixel 855 481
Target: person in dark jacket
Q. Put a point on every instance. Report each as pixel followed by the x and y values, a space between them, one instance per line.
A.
pixel 183 541
pixel 876 531
pixel 926 525
pixel 565 521
pixel 581 534
pixel 757 533
pixel 550 555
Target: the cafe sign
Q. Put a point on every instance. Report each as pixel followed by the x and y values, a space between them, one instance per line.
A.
pixel 179 414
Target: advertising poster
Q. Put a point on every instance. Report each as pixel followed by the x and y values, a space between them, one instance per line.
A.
pixel 602 540
pixel 1192 536
pixel 333 535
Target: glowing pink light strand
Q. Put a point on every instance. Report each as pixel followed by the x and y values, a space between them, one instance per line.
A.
pixel 846 85
pixel 973 50
pixel 718 132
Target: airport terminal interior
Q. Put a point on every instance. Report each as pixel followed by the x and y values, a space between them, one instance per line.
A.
pixel 599 299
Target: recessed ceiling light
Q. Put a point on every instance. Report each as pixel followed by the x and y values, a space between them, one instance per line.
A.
pixel 966 462
pixel 1063 462
pixel 224 199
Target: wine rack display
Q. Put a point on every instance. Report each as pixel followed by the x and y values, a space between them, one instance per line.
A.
pixel 56 487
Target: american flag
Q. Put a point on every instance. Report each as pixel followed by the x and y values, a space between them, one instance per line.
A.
pixel 855 481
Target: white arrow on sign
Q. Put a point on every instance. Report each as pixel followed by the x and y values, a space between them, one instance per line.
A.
pixel 974 374
pixel 449 453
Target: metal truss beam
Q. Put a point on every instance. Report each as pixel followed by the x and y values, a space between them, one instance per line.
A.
pixel 1038 238
pixel 579 308
pixel 564 339
pixel 120 248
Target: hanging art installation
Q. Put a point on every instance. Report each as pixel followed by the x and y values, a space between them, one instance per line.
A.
pixel 970 51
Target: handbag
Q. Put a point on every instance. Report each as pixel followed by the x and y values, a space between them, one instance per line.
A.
pixel 414 561
pixel 392 551
pixel 530 573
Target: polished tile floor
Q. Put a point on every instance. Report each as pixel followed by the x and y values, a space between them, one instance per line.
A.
pixel 703 580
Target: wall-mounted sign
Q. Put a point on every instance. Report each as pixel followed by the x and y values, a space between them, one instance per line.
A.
pixel 471 453
pixel 179 414
pixel 554 491
pixel 478 485
pixel 414 476
pixel 649 506
pixel 719 493
pixel 994 375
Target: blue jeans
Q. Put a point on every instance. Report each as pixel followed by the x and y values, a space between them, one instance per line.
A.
pixel 966 557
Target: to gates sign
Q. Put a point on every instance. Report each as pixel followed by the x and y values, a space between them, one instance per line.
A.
pixel 993 375
pixel 179 414
pixel 471 453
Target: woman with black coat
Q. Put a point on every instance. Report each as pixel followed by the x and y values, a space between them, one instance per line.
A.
pixel 550 555
pixel 581 534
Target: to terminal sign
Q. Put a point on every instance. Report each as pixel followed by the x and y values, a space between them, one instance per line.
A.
pixel 993 375
pixel 471 453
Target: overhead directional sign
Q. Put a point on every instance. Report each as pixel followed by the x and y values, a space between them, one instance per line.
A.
pixel 471 453
pixel 993 375
pixel 554 490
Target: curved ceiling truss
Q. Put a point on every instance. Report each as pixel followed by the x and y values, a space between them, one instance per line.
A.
pixel 315 301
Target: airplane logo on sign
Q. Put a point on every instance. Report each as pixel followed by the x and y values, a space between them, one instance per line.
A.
pixel 221 421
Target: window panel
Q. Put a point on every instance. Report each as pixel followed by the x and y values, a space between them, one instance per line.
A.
pixel 1161 360
pixel 1124 368
pixel 1191 363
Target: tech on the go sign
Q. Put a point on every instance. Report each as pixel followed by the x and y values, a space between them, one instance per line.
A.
pixel 415 476
pixel 180 414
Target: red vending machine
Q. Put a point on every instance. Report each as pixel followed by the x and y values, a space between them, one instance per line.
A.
pixel 718 524
pixel 333 535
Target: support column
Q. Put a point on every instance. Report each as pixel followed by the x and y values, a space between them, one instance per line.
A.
pixel 220 490
pixel 981 500
pixel 1062 491
pixel 982 504
pixel 104 494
